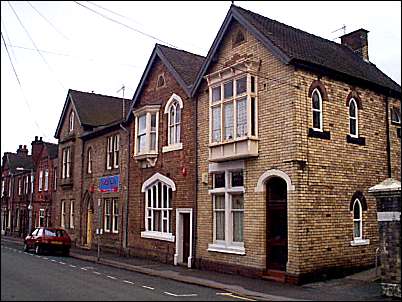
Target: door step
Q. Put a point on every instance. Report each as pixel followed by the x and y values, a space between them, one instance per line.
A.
pixel 275 275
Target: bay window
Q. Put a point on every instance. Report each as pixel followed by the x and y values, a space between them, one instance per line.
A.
pixel 146 131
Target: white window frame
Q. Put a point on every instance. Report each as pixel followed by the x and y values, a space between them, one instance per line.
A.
pixel 227 245
pixel 40 181
pixel 66 162
pixel 358 240
pixel 109 153
pixel 158 205
pixel 115 215
pixel 46 187
pixel 248 95
pixel 26 184
pixel 71 122
pixel 148 111
pixel 356 118
pixel 116 148
pixel 396 112
pixel 19 186
pixel 72 213
pixel 175 102
pixel 107 215
pixel 41 215
pixel 89 159
pixel 63 214
pixel 317 110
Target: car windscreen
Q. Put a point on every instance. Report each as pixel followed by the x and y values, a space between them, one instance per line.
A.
pixel 54 233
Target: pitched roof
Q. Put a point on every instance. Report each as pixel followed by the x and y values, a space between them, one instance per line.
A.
pixel 15 161
pixel 94 109
pixel 183 65
pixel 294 46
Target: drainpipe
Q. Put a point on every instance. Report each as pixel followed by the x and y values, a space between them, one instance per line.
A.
pixel 389 170
pixel 196 185
pixel 125 240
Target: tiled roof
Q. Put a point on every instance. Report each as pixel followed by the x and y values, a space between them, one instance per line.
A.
pixel 19 161
pixel 97 109
pixel 300 45
pixel 185 63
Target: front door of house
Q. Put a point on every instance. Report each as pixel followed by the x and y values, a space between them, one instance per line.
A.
pixel 277 230
pixel 186 237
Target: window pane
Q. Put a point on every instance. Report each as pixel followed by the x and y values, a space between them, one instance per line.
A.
pixel 316 101
pixel 142 124
pixel 352 126
pixel 171 134
pixel 241 117
pixel 252 84
pixel 356 229
pixel 237 201
pixel 238 226
pixel 220 225
pixel 153 122
pixel 157 220
pixel 253 121
pixel 178 114
pixel 352 109
pixel 219 180
pixel 228 90
pixel 316 119
pixel 172 117
pixel 141 143
pixel 219 202
pixel 153 141
pixel 216 94
pixel 228 120
pixel 356 210
pixel 237 179
pixel 165 196
pixel 216 124
pixel 177 134
pixel 241 85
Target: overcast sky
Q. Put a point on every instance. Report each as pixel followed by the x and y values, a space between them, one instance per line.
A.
pixel 82 50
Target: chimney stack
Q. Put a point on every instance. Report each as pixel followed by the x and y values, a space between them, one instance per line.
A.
pixel 358 42
pixel 22 150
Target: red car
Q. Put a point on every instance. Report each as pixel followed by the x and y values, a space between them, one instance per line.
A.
pixel 49 239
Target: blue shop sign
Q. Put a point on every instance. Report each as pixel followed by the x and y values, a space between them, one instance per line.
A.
pixel 109 184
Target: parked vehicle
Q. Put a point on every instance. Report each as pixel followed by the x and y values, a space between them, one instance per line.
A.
pixel 48 239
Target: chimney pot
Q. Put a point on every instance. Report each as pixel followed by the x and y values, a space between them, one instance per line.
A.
pixel 36 138
pixel 40 139
pixel 358 42
pixel 20 147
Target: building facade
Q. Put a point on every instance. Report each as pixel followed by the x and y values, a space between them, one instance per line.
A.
pixel 162 212
pixel 289 142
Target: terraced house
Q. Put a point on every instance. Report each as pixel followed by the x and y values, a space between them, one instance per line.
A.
pixel 91 197
pixel 162 170
pixel 292 130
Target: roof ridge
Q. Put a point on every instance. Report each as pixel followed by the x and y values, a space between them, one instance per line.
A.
pixel 297 29
pixel 182 50
pixel 98 94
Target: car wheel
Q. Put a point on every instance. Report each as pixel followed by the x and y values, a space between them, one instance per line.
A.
pixel 26 247
pixel 38 250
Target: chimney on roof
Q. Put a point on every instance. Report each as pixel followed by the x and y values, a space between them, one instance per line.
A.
pixel 40 139
pixel 22 150
pixel 358 42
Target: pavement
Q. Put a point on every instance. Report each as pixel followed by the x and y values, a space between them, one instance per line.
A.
pixel 363 286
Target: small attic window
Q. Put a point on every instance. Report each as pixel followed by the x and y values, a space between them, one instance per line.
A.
pixel 161 81
pixel 238 38
pixel 395 115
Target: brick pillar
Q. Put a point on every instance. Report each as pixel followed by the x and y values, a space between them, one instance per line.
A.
pixel 388 196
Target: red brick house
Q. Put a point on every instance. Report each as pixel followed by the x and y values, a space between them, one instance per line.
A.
pixel 90 194
pixel 162 172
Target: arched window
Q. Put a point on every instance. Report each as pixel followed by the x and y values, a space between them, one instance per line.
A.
pixel 357 220
pixel 317 109
pixel 71 120
pixel 173 109
pixel 161 81
pixel 353 118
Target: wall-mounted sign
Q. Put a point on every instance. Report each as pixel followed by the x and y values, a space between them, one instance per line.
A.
pixel 109 184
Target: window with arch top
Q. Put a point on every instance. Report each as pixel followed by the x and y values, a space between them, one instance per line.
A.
pixel 173 109
pixel 357 220
pixel 316 105
pixel 353 118
pixel 71 122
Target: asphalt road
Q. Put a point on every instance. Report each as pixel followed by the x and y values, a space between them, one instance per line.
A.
pixel 26 276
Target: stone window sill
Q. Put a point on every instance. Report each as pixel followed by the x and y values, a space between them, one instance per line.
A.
pixel 358 242
pixel 157 235
pixel 232 249
pixel 174 147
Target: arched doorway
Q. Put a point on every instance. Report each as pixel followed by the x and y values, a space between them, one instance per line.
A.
pixel 277 224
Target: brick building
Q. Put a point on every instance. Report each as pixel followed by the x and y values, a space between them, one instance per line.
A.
pixel 162 186
pixel 91 171
pixel 292 130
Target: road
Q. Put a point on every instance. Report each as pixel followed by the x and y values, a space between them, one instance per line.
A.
pixel 26 276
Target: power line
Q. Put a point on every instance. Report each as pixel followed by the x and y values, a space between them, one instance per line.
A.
pixel 20 85
pixel 63 35
pixel 125 25
pixel 26 31
pixel 8 39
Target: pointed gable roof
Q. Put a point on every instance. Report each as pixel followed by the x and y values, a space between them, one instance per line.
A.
pixel 299 48
pixel 93 109
pixel 182 64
